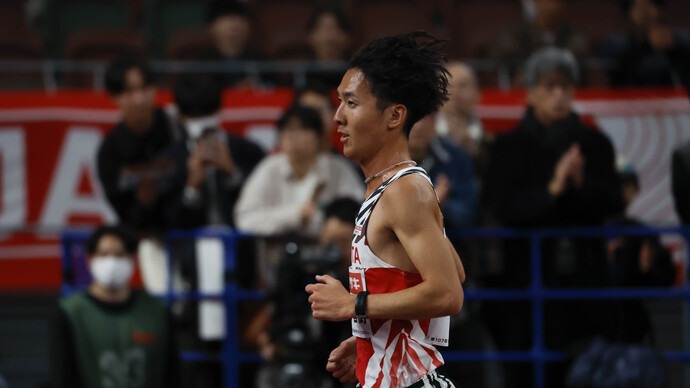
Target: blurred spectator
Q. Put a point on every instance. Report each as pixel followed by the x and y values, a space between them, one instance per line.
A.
pixel 230 26
pixel 638 261
pixel 329 36
pixel 450 168
pixel 211 165
pixel 129 173
pixel 457 122
pixel 544 26
pixel 285 192
pixel 315 95
pixel 552 171
pixel 680 181
pixel 274 329
pixel 650 53
pixel 110 335
pixel 457 118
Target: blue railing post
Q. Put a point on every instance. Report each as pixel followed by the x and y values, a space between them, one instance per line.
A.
pixel 169 296
pixel 231 351
pixel 537 310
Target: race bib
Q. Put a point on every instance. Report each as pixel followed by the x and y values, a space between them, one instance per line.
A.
pixel 439 329
pixel 361 327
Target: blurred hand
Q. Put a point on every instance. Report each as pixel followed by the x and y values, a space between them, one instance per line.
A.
pixel 660 37
pixel 196 165
pixel 309 209
pixel 612 246
pixel 307 212
pixel 222 157
pixel 146 192
pixel 646 257
pixel 577 164
pixel 569 168
pixel 342 361
pixel 267 349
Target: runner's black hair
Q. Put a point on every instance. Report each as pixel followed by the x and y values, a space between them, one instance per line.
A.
pixel 405 69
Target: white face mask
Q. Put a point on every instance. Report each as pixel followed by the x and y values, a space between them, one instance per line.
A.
pixel 195 127
pixel 112 272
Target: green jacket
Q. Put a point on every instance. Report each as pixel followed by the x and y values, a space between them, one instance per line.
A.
pixel 124 345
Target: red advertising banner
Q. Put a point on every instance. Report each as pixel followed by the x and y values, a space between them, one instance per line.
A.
pixel 48 143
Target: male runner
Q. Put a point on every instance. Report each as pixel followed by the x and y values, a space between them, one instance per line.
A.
pixel 405 274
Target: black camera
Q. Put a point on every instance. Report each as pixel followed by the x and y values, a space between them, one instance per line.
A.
pixel 295 333
pixel 300 349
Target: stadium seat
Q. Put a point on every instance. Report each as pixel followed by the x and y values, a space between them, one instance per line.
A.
pixel 69 16
pixel 189 44
pixel 281 26
pixel 11 18
pixel 475 25
pixel 21 44
pixel 678 13
pixel 377 18
pixel 165 18
pixel 596 78
pixel 296 51
pixel 102 45
pixel 596 18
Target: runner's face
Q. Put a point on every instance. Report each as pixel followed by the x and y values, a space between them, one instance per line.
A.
pixel 361 124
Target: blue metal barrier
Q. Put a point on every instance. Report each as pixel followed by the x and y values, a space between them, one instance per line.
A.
pixel 231 357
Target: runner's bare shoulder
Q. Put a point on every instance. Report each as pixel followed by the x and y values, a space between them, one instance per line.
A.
pixel 409 199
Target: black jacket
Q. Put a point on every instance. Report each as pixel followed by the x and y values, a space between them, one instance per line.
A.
pixel 522 165
pixel 122 148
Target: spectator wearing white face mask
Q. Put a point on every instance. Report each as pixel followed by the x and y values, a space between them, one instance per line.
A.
pixel 110 335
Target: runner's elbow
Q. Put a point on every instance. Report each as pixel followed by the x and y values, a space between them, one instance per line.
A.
pixel 452 304
pixel 455 306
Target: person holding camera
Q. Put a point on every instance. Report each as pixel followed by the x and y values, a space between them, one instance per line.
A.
pixel 211 164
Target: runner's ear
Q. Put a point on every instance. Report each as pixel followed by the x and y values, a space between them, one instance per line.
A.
pixel 398 114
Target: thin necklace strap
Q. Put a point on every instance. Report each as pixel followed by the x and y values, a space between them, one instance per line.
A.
pixel 388 169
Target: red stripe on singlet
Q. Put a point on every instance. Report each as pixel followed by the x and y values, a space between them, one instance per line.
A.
pixel 395 361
